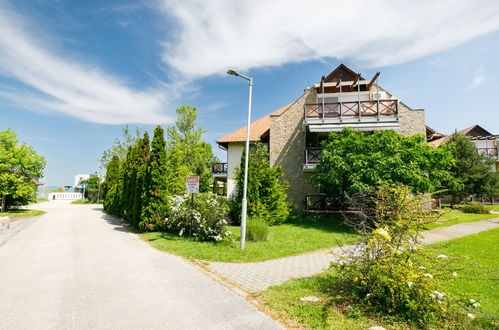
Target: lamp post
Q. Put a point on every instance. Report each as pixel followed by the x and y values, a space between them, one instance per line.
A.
pixel 245 186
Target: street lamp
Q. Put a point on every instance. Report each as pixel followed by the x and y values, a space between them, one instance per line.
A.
pixel 245 186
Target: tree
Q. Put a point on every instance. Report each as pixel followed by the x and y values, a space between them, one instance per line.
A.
pixel 110 188
pixel 92 189
pixel 120 146
pixel 155 192
pixel 20 166
pixel 472 170
pixel 355 161
pixel 187 154
pixel 266 194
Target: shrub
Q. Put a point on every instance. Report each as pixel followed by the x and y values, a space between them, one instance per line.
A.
pixel 474 208
pixel 387 271
pixel 257 229
pixel 203 218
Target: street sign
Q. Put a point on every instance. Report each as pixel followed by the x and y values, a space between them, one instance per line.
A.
pixel 192 185
pixel 83 185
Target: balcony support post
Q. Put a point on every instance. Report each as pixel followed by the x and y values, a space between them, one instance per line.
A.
pixel 359 109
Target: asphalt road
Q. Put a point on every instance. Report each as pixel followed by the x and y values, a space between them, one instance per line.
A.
pixel 77 268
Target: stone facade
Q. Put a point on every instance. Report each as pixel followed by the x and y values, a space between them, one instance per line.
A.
pixel 411 121
pixel 287 148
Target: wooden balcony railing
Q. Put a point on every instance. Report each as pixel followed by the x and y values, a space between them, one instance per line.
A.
pixel 219 168
pixel 379 108
pixel 488 151
pixel 313 155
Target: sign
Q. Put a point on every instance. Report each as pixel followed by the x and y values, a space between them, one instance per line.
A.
pixel 83 185
pixel 192 185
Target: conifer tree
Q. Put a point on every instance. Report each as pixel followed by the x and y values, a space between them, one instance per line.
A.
pixel 155 191
pixel 110 186
pixel 138 184
pixel 266 193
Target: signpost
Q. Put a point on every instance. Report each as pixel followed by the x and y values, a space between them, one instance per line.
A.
pixel 192 187
pixel 83 185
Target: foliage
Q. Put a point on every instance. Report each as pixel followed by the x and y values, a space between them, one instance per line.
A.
pixel 355 161
pixel 20 166
pixel 187 154
pixel 111 190
pixel 266 193
pixel 388 271
pixel 92 190
pixel 472 170
pixel 120 146
pixel 257 230
pixel 155 188
pixel 474 208
pixel 203 217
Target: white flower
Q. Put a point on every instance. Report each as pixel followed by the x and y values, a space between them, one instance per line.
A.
pixel 454 274
pixel 471 316
pixel 439 294
pixel 368 295
pixel 428 275
pixel 472 301
pixel 422 267
pixel 432 295
pixel 442 256
pixel 476 305
pixel 181 232
pixel 409 284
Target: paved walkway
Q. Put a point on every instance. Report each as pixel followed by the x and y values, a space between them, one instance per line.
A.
pixel 257 276
pixel 77 268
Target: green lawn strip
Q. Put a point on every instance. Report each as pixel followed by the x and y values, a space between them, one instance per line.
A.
pixel 454 217
pixel 21 213
pixel 40 200
pixel 335 310
pixel 79 201
pixel 297 236
pixel 493 207
pixel 478 279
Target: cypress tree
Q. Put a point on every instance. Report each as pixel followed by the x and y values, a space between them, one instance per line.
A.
pixel 110 185
pixel 142 157
pixel 155 192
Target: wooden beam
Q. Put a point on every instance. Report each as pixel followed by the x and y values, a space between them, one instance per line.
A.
pixel 373 80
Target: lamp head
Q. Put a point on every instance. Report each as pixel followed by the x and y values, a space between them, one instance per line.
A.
pixel 232 72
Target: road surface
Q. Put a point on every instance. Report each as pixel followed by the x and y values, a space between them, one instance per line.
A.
pixel 77 268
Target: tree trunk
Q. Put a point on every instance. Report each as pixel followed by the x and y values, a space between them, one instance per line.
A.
pixel 3 203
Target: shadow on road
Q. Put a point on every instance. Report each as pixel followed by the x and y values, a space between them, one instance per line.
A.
pixel 116 222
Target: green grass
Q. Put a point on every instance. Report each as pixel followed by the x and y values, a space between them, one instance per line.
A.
pixel 297 236
pixel 79 201
pixel 454 217
pixel 39 200
pixel 493 207
pixel 478 280
pixel 21 213
pixel 336 310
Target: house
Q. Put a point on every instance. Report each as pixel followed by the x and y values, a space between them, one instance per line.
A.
pixel 293 133
pixel 484 141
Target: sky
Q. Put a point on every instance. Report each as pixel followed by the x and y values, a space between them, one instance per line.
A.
pixel 74 73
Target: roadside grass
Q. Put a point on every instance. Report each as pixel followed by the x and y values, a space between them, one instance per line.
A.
pixel 298 235
pixel 453 217
pixel 79 201
pixel 493 207
pixel 21 213
pixel 39 200
pixel 336 310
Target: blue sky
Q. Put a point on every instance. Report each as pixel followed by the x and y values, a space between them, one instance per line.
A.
pixel 72 73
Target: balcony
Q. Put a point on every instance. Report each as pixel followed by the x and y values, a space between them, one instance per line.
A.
pixel 312 157
pixel 488 151
pixel 380 112
pixel 219 170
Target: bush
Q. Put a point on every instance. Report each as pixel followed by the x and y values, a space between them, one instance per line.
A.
pixel 257 229
pixel 387 271
pixel 204 219
pixel 474 208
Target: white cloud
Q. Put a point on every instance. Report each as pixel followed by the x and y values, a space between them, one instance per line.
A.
pixel 79 90
pixel 477 79
pixel 214 35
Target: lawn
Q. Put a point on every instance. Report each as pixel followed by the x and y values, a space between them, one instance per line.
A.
pixel 21 213
pixel 335 310
pixel 299 235
pixel 453 217
pixel 79 201
pixel 493 207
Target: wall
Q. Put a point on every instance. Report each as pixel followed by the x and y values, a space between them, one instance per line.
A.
pixel 287 149
pixel 411 121
pixel 234 154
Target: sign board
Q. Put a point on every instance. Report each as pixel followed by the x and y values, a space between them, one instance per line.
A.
pixel 83 185
pixel 192 185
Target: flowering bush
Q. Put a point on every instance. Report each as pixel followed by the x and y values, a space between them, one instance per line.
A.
pixel 388 271
pixel 204 218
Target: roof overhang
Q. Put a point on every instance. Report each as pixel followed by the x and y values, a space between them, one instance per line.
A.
pixel 358 127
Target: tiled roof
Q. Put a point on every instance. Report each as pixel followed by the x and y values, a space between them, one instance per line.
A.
pixel 257 128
